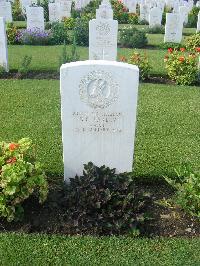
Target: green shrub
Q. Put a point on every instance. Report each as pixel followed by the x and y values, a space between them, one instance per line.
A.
pixel 143 64
pixel 156 30
pixel 193 42
pixel 12 33
pixel 133 19
pixel 173 45
pixel 187 186
pixel 120 12
pixel 181 67
pixel 133 38
pixel 17 11
pixel 20 176
pixel 81 31
pixel 45 5
pixel 69 23
pixel 103 201
pixel 193 17
pixel 59 33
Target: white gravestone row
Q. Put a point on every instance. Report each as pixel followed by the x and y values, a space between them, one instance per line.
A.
pixel 35 18
pixel 183 10
pixel 173 28
pixel 144 12
pixel 3 45
pixel 6 11
pixel 98 112
pixel 103 35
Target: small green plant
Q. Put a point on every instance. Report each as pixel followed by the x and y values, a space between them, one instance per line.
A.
pixel 12 33
pixel 181 66
pixel 187 186
pixel 45 5
pixel 193 42
pixel 104 201
pixel 193 17
pixel 133 19
pixel 20 176
pixel 17 11
pixel 69 23
pixel 173 45
pixel 68 57
pixel 59 33
pixel 133 38
pixel 24 66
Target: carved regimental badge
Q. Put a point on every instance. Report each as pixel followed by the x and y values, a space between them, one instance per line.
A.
pixel 98 89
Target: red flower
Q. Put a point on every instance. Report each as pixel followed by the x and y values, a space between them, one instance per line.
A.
pixel 11 160
pixel 198 49
pixel 170 50
pixel 13 146
pixel 182 49
pixel 181 58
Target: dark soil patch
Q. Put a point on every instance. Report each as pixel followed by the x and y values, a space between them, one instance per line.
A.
pixel 163 219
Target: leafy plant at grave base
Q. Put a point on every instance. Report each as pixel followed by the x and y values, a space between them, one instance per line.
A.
pixel 142 62
pixel 34 37
pixel 81 31
pixel 69 23
pixel 24 66
pixel 2 70
pixel 120 12
pixel 181 66
pixel 156 30
pixel 12 33
pixel 59 33
pixel 45 5
pixel 173 45
pixel 104 202
pixel 193 42
pixel 17 11
pixel 133 19
pixel 143 22
pixel 133 38
pixel 67 58
pixel 20 177
pixel 187 185
pixel 193 17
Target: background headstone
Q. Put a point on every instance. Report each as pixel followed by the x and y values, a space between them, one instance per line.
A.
pixel 3 45
pixel 6 11
pixel 173 28
pixel 98 111
pixel 35 17
pixel 155 17
pixel 198 23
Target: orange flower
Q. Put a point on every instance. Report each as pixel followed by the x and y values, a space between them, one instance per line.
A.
pixel 170 50
pixel 11 160
pixel 182 49
pixel 181 58
pixel 13 146
pixel 123 58
pixel 198 49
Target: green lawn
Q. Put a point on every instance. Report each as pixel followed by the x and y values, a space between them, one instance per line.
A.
pixel 46 58
pixel 168 129
pixel 25 250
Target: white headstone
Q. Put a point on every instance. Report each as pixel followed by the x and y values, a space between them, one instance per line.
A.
pixel 173 28
pixel 155 17
pixel 25 4
pixel 98 110
pixel 103 34
pixel 54 12
pixel 65 9
pixel 3 45
pixel 198 23
pixel 131 4
pixel 6 11
pixel 144 12
pixel 35 17
pixel 183 10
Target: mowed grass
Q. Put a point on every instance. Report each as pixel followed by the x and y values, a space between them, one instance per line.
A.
pixel 168 129
pixel 19 249
pixel 46 58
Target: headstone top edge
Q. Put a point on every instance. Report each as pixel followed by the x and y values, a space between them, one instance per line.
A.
pixel 99 63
